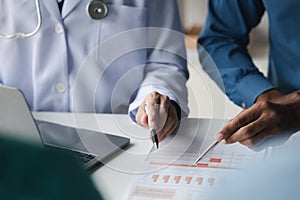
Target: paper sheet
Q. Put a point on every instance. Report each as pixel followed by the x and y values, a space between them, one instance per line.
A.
pixel 170 172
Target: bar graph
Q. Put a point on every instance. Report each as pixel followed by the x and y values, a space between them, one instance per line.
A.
pixel 182 180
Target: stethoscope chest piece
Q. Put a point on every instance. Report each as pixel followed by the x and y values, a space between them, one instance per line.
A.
pixel 97 9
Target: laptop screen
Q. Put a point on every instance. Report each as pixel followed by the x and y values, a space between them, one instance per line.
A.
pixel 15 119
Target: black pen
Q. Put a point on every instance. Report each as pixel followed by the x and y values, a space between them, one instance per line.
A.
pixel 154 137
pixel 152 131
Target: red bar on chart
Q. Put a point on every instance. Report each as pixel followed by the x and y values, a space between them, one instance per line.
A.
pixel 177 179
pixel 211 181
pixel 166 178
pixel 188 179
pixel 199 180
pixel 215 160
pixel 155 177
pixel 202 165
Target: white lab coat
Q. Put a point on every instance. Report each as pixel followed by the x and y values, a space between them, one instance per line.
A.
pixel 78 64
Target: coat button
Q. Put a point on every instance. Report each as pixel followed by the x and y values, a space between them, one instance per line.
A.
pixel 97 9
pixel 244 105
pixel 60 87
pixel 58 29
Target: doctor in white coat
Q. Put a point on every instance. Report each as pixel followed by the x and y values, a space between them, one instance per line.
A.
pixel 109 56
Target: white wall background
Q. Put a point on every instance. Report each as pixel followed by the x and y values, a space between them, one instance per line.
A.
pixel 193 12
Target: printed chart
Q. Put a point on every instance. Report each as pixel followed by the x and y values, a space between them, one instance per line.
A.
pixel 183 178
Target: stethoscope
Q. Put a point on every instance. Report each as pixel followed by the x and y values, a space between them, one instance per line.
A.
pixel 96 9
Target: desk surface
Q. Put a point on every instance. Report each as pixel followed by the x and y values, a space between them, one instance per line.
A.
pixel 114 178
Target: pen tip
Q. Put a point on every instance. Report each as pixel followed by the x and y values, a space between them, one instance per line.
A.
pixel 156 144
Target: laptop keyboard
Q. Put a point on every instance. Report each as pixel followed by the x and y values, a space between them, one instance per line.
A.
pixel 84 156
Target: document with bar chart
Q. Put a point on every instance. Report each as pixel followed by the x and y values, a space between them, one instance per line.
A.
pixel 171 173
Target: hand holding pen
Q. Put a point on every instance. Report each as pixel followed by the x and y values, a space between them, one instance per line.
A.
pixel 152 124
pixel 157 113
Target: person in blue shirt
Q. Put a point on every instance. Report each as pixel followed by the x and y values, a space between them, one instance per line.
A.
pixel 94 56
pixel 272 103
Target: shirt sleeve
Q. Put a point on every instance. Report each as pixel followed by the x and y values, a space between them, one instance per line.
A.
pixel 166 68
pixel 223 52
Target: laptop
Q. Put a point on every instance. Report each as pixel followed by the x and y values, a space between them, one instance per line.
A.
pixel 16 121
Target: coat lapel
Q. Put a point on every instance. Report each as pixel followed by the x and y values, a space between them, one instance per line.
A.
pixel 68 6
pixel 52 7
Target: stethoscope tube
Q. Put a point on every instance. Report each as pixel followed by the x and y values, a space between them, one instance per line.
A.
pixel 24 35
pixel 96 9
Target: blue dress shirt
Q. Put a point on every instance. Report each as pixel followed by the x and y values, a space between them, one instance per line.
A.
pixel 225 38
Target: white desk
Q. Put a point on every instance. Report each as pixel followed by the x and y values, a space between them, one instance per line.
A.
pixel 113 179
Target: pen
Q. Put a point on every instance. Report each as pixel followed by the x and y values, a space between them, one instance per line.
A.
pixel 154 137
pixel 152 131
pixel 207 150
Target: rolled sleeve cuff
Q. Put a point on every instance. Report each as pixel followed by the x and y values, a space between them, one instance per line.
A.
pixel 250 88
